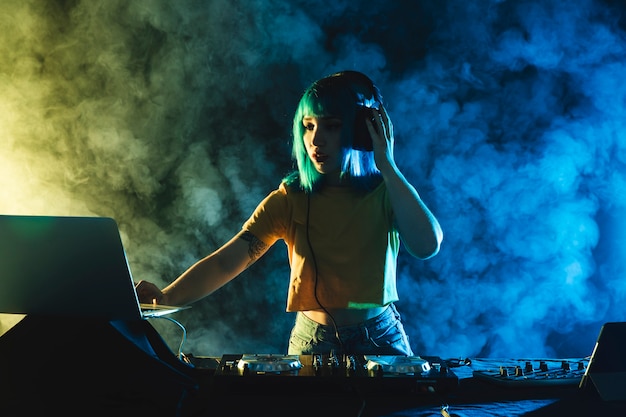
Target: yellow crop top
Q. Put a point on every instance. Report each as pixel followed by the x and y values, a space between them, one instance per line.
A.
pixel 354 245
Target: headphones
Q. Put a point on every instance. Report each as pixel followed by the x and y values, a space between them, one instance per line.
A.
pixel 362 140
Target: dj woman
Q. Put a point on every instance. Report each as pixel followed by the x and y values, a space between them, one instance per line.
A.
pixel 343 215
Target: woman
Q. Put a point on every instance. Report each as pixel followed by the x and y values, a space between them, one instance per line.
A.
pixel 342 215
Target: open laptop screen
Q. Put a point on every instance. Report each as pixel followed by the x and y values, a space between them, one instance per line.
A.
pixel 65 266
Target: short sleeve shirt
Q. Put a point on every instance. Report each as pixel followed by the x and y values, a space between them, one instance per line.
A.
pixel 342 245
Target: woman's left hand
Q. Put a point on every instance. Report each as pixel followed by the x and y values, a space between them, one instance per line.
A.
pixel 381 131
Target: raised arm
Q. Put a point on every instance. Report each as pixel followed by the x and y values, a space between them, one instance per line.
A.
pixel 208 274
pixel 419 229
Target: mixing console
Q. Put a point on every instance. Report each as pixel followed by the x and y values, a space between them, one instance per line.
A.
pixel 376 373
pixel 535 372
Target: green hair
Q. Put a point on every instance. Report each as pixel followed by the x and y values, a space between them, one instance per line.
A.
pixel 337 95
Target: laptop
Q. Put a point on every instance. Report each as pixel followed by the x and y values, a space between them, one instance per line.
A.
pixel 606 371
pixel 68 266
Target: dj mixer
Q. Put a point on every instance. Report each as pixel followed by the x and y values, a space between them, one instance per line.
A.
pixel 534 372
pixel 366 373
pixel 378 385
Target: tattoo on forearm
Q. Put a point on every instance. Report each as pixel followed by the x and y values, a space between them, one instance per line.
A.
pixel 256 248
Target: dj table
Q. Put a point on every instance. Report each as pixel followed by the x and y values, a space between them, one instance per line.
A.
pixel 82 367
pixel 320 385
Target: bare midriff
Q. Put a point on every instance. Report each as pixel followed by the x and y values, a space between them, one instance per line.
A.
pixel 343 316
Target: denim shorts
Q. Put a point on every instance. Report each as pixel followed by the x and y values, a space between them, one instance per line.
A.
pixel 380 335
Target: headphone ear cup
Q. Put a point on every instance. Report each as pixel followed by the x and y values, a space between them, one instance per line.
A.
pixel 362 140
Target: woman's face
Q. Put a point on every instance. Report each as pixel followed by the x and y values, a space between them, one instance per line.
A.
pixel 322 138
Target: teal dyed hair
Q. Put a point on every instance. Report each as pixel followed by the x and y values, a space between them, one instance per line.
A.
pixel 337 95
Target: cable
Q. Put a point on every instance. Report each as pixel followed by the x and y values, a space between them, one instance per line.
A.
pixel 180 353
pixel 308 240
pixel 363 402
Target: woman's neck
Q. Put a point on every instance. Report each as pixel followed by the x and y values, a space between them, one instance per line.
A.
pixel 336 180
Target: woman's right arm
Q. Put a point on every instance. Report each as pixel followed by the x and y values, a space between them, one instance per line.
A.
pixel 208 274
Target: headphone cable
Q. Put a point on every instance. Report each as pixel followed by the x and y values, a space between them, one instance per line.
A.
pixel 308 240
